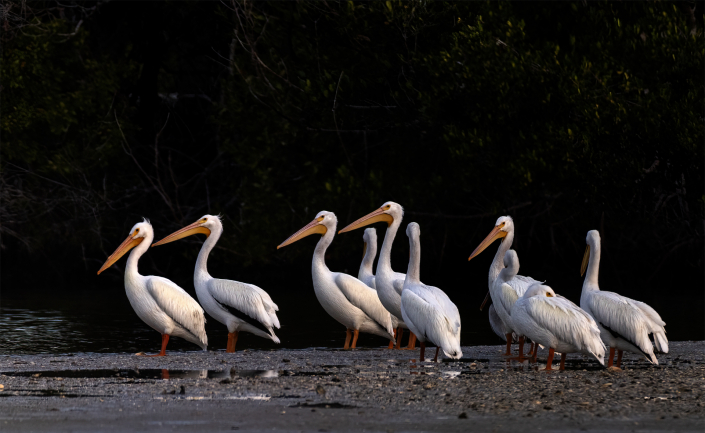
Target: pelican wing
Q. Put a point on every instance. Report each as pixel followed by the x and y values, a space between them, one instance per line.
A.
pixel 180 306
pixel 657 326
pixel 398 282
pixel 622 316
pixel 246 298
pixel 434 315
pixel 508 296
pixel 567 321
pixel 521 283
pixel 364 298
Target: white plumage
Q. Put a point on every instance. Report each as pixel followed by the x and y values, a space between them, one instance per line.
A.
pixel 625 324
pixel 365 274
pixel 160 303
pixel 555 322
pixel 238 306
pixel 427 310
pixel 504 300
pixel 347 299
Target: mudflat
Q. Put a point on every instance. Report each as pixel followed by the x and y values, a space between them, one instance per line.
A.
pixel 368 389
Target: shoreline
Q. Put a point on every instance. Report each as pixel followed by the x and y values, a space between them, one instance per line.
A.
pixel 334 390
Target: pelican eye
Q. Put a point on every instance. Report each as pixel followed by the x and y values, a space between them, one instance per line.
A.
pixel 203 221
pixel 136 231
pixel 549 295
pixel 320 218
pixel 501 225
pixel 387 207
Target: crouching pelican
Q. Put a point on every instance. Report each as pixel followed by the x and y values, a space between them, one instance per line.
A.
pixel 348 300
pixel 625 324
pixel 556 323
pixel 238 306
pixel 427 310
pixel 160 303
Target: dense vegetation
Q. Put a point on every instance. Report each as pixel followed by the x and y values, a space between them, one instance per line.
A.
pixel 568 116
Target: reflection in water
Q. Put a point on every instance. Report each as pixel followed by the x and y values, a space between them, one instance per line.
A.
pixel 149 373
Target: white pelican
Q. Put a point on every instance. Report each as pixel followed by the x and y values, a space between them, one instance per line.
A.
pixel 427 310
pixel 388 283
pixel 365 274
pixel 556 323
pixel 504 230
pixel 347 299
pixel 625 324
pixel 160 303
pixel 238 306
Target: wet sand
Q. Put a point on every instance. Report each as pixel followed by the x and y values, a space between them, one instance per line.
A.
pixel 367 389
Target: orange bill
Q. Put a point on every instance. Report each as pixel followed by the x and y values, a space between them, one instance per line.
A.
pixel 124 247
pixel 371 218
pixel 309 229
pixel 189 230
pixel 495 234
pixel 487 299
pixel 586 260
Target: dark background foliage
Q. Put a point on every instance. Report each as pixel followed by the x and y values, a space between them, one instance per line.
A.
pixel 568 116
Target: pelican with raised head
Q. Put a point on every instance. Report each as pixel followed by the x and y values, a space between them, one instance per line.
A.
pixel 365 274
pixel 238 306
pixel 388 283
pixel 348 300
pixel 504 231
pixel 427 310
pixel 625 324
pixel 555 322
pixel 160 303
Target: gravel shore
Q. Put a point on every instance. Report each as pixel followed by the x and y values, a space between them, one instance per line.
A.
pixel 360 390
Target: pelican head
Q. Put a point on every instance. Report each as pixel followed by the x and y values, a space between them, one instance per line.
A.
pixel 504 225
pixel 370 238
pixel 205 225
pixel 323 222
pixel 592 239
pixel 413 231
pixel 388 212
pixel 511 266
pixel 138 233
pixel 538 289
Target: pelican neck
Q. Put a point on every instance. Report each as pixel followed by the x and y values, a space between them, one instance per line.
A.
pixel 369 257
pixel 593 268
pixel 498 263
pixel 413 272
pixel 319 254
pixel 208 245
pixel 134 257
pixel 385 253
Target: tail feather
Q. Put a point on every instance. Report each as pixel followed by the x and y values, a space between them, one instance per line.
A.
pixel 661 342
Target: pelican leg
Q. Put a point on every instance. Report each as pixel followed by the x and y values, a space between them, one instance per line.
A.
pixel 609 361
pixel 165 373
pixel 348 334
pixel 355 339
pixel 619 358
pixel 521 357
pixel 165 340
pixel 563 361
pixel 398 335
pixel 435 358
pixel 536 353
pixel 531 350
pixel 509 345
pixel 412 341
pixel 549 360
pixel 423 351
pixel 232 341
pixel 391 342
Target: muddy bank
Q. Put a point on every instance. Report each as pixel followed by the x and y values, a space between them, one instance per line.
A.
pixel 335 390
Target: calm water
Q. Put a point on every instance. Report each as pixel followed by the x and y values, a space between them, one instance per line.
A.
pixel 102 321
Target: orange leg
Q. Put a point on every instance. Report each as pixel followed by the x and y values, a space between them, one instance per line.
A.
pixel 232 341
pixel 355 338
pixel 399 334
pixel 521 357
pixel 509 345
pixel 412 341
pixel 619 358
pixel 423 351
pixel 609 361
pixel 391 342
pixel 549 361
pixel 563 361
pixel 435 358
pixel 165 340
pixel 531 351
pixel 536 353
pixel 165 373
pixel 348 334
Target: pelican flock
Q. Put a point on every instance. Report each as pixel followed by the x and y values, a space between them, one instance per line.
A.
pixel 384 302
